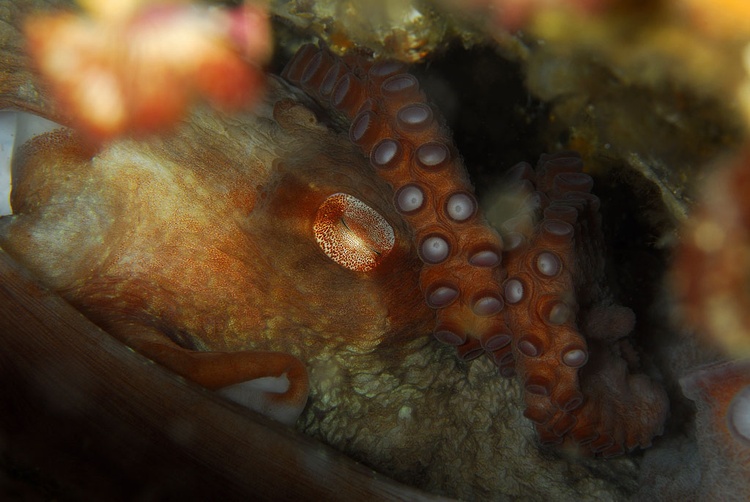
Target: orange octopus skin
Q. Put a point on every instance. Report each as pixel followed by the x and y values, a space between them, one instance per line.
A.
pixel 721 392
pixel 263 264
pixel 532 323
pixel 197 246
pixel 410 149
pixel 579 388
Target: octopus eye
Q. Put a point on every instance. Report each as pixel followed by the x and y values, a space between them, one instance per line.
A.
pixel 351 233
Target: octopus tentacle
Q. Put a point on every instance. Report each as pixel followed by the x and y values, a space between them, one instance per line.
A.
pixel 242 376
pixel 526 314
pixel 575 389
pixel 412 150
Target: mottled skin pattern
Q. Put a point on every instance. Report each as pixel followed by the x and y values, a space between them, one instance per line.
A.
pixel 528 313
pixel 559 305
pixel 203 238
pixel 150 268
pixel 409 409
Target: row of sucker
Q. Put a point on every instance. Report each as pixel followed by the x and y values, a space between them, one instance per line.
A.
pixel 410 148
pixel 555 266
pixel 526 314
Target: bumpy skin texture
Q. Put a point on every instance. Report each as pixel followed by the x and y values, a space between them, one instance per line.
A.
pixel 571 350
pixel 553 260
pixel 202 241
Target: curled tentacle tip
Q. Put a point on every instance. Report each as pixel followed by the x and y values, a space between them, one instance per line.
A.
pixel 266 396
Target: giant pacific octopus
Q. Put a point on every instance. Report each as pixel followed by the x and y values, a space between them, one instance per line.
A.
pixel 320 242
pixel 532 300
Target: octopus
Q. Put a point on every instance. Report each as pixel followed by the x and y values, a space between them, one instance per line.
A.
pixel 524 313
pixel 257 253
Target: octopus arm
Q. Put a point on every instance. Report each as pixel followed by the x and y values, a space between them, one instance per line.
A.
pixel 99 422
pixel 272 383
pixel 573 356
pixel 69 245
pixel 519 299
